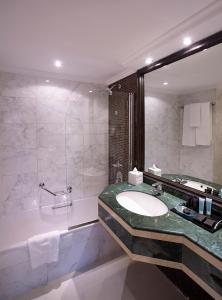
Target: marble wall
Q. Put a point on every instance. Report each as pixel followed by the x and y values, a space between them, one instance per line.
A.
pixel 162 120
pixel 163 136
pixel 217 174
pixel 55 132
pixel 197 161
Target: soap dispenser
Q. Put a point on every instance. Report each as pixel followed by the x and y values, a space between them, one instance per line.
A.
pixel 135 177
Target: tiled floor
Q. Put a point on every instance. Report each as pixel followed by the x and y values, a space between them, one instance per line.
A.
pixel 119 279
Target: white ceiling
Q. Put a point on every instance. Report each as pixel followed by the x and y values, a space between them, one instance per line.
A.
pixel 195 73
pixel 98 40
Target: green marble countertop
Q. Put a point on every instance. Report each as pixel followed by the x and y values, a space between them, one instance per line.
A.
pixel 170 223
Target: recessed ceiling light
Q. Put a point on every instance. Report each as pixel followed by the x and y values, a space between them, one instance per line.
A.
pixel 187 41
pixel 149 60
pixel 165 83
pixel 57 63
pixel 90 91
pixel 47 81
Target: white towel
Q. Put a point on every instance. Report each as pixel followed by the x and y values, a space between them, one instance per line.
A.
pixel 189 133
pixel 44 248
pixel 204 131
pixel 195 114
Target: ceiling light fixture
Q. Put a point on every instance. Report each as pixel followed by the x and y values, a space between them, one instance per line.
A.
pixel 187 41
pixel 47 81
pixel 58 63
pixel 149 60
pixel 90 91
pixel 165 83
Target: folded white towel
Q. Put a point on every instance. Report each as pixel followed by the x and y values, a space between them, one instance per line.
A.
pixel 195 114
pixel 189 133
pixel 204 131
pixel 44 248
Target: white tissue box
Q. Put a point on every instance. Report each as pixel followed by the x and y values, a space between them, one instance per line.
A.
pixel 135 177
pixel 154 170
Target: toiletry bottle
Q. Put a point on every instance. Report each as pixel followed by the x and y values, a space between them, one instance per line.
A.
pixel 201 205
pixel 208 206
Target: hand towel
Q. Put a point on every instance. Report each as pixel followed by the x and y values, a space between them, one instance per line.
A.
pixel 44 248
pixel 189 133
pixel 195 114
pixel 204 131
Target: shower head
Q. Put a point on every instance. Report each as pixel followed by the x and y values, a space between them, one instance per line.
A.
pixel 109 89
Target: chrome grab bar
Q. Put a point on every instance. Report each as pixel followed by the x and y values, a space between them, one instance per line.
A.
pixel 62 205
pixel 59 193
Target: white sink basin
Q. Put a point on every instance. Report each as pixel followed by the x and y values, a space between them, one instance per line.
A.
pixel 142 204
pixel 197 185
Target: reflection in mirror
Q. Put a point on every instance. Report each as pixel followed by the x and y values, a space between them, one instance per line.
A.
pixel 183 121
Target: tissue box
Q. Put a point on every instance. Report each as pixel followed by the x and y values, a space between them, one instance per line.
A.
pixel 135 177
pixel 154 170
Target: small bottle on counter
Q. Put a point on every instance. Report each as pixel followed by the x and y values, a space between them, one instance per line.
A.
pixel 135 177
pixel 201 205
pixel 208 206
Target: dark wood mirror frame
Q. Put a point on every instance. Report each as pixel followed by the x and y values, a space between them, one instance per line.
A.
pixel 139 129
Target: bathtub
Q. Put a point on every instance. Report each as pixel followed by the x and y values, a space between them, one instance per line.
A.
pixel 17 228
pixel 80 248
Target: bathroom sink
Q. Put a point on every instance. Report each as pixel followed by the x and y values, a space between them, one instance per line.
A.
pixel 142 204
pixel 198 185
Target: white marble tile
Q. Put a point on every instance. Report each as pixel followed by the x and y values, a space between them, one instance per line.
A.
pixel 51 159
pixel 77 110
pixel 12 257
pixel 17 85
pixel 17 136
pixel 201 166
pixel 96 157
pixel 89 247
pixel 50 110
pixel 18 192
pixel 73 128
pixel 19 278
pixel 95 139
pixel 96 128
pixel 14 162
pixel 23 272
pixel 94 185
pixel 18 110
pixel 42 129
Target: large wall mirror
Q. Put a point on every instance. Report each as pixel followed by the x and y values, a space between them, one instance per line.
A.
pixel 183 121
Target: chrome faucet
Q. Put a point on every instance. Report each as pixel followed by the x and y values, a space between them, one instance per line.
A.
pixel 158 188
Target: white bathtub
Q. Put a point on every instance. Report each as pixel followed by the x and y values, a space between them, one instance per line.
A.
pixel 17 228
pixel 79 249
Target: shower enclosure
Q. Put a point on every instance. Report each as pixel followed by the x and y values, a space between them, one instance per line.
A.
pixel 84 171
pixel 54 136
